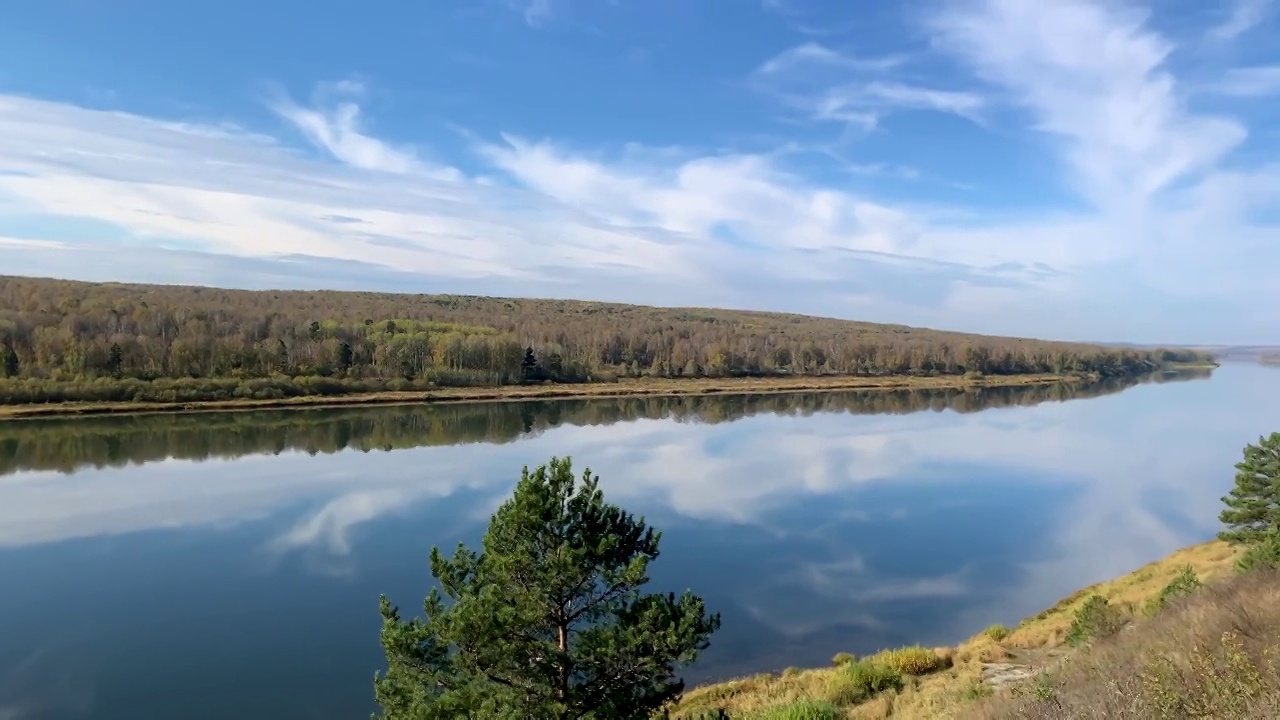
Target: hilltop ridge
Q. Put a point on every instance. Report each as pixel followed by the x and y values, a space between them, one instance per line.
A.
pixel 67 340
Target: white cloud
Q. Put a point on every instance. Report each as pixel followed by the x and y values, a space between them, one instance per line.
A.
pixel 1257 81
pixel 817 54
pixel 731 228
pixel 535 12
pixel 1242 16
pixel 1094 75
pixel 834 86
pixel 334 126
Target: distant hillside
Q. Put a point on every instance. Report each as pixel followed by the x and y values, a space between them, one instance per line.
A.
pixel 1251 353
pixel 54 330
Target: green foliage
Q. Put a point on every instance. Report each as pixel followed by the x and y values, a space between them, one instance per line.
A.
pixel 1183 584
pixel 1253 505
pixel 11 362
pixel 1096 618
pixel 69 332
pixel 1263 554
pixel 842 658
pixel 798 710
pixel 861 680
pixel 548 620
pixel 911 660
pixel 996 632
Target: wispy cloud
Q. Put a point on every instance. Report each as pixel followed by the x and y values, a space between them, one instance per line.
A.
pixel 1094 75
pixel 1157 178
pixel 536 13
pixel 332 123
pixel 1247 82
pixel 830 85
pixel 817 54
pixel 1242 16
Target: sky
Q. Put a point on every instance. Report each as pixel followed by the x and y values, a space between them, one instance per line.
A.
pixel 1075 169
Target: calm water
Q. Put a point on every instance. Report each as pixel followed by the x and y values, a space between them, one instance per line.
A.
pixel 219 566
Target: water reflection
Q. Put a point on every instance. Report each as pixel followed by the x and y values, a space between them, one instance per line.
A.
pixel 833 531
pixel 68 444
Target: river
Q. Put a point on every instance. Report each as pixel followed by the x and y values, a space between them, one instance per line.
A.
pixel 229 565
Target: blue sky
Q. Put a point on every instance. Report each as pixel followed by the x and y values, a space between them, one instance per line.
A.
pixel 1061 168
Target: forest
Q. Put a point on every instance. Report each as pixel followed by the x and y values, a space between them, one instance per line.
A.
pixel 66 340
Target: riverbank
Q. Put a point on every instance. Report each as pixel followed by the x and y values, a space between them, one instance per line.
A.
pixel 957 681
pixel 622 388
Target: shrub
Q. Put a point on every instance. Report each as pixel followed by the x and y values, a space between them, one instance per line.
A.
pixel 996 632
pixel 1185 583
pixel 799 710
pixel 842 658
pixel 1222 681
pixel 1096 618
pixel 976 690
pixel 911 660
pixel 1263 554
pixel 861 680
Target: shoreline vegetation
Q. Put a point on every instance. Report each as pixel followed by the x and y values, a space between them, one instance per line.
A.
pixel 77 347
pixel 549 619
pixel 622 388
pixel 1195 634
pixel 969 679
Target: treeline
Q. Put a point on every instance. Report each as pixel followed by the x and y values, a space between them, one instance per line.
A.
pixel 54 331
pixel 70 444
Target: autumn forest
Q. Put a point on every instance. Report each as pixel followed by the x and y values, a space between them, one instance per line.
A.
pixel 64 340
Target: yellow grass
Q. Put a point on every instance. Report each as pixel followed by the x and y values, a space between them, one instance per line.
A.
pixel 955 690
pixel 1210 560
pixel 622 388
pixel 1212 654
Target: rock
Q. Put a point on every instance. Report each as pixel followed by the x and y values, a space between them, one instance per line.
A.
pixel 998 675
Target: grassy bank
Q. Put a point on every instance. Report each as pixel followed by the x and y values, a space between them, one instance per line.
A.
pixel 621 388
pixel 949 682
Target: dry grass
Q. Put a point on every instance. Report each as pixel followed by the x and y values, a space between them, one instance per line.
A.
pixel 1129 592
pixel 954 688
pixel 1215 653
pixel 622 388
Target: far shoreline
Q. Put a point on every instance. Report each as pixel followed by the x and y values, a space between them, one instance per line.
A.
pixel 645 387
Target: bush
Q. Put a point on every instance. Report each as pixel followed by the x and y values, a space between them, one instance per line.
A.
pixel 799 710
pixel 1185 583
pixel 861 680
pixel 1096 618
pixel 996 632
pixel 842 658
pixel 1261 555
pixel 977 690
pixel 912 660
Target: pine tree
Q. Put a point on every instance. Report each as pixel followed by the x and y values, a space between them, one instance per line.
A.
pixel 548 620
pixel 529 365
pixel 1253 506
pixel 115 359
pixel 345 356
pixel 11 362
